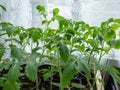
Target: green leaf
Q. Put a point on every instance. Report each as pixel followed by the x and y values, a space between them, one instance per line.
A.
pixel 106 49
pixel 99 67
pixel 2 79
pixel 85 27
pixel 81 48
pixel 64 51
pixel 110 20
pixel 40 8
pixel 114 26
pixel 109 35
pixel 34 50
pixel 16 40
pixel 69 34
pixel 114 73
pixel 46 74
pixel 12 77
pixel 5 65
pixel 63 23
pixel 22 36
pixel 56 84
pixel 104 25
pixel 16 53
pixel 14 72
pixel 76 85
pixel 117 21
pixel 58 17
pixel 44 22
pixel 31 70
pixel 117 44
pixel 10 30
pixel 35 33
pixel 91 42
pixel 55 11
pixel 3 7
pixel 100 37
pixel 2 50
pixel 12 86
pixel 5 24
pixel 86 35
pixel 84 66
pixel 68 73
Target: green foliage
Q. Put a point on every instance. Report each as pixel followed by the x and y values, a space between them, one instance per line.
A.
pixel 114 73
pixel 16 53
pixel 3 8
pixel 46 74
pixel 63 24
pixel 69 34
pixel 68 73
pixel 117 21
pixel 104 25
pixel 115 26
pixel 5 65
pixel 80 47
pixel 2 50
pixel 40 8
pixel 85 68
pixel 117 44
pixel 11 86
pixel 34 34
pixel 60 46
pixel 77 85
pixel 100 38
pixel 10 30
pixel 2 79
pixel 12 78
pixel 64 51
pixel 55 11
pixel 31 70
pixel 14 71
pixel 109 35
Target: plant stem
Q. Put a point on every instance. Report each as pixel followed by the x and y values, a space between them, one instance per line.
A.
pixel 101 54
pixel 51 75
pixel 91 88
pixel 51 82
pixel 37 85
pixel 60 72
pixel 11 40
pixel 89 60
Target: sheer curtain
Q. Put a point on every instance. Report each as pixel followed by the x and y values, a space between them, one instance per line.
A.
pixel 24 13
pixel 97 11
pixel 18 12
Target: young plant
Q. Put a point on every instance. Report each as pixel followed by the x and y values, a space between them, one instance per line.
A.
pixel 70 50
pixel 12 64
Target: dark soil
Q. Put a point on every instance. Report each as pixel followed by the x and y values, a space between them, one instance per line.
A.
pixel 79 79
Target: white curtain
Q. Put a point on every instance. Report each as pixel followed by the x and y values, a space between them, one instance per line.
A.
pixel 24 13
pixel 97 11
pixel 18 12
